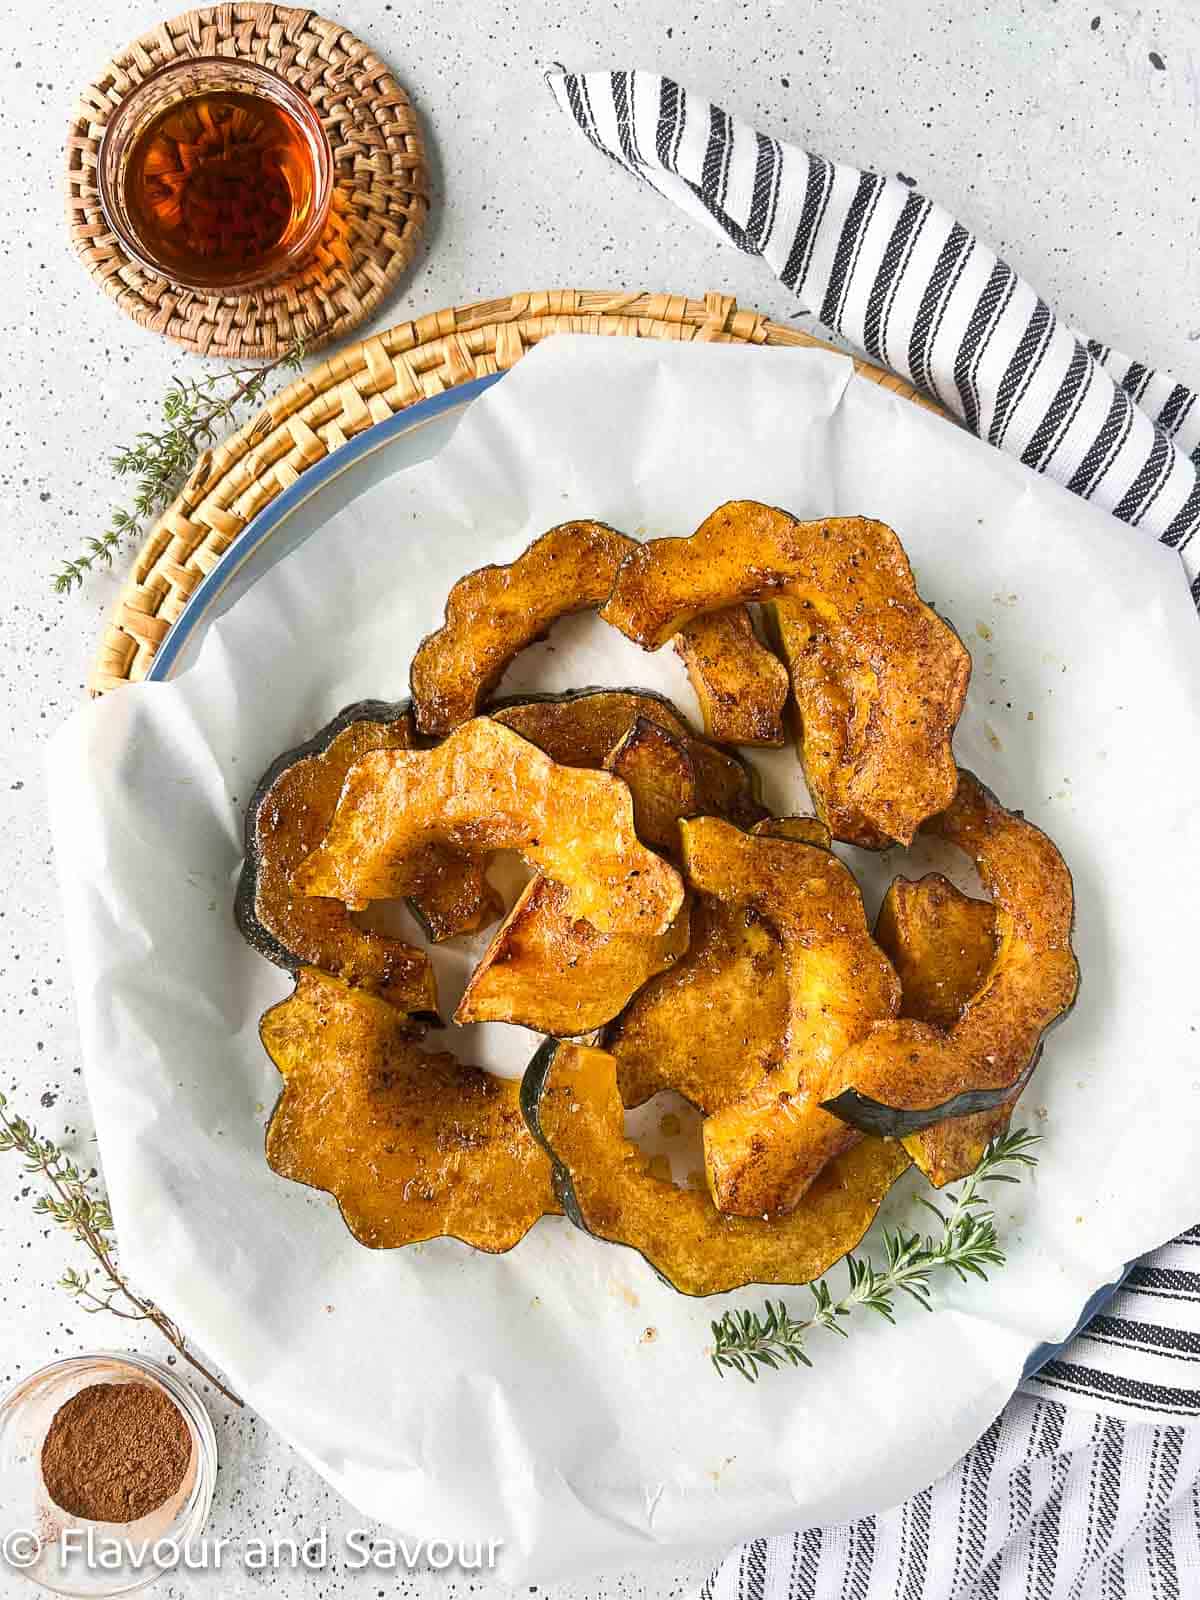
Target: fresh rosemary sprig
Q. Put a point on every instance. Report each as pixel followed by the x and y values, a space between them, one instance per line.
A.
pixel 193 411
pixel 73 1200
pixel 747 1342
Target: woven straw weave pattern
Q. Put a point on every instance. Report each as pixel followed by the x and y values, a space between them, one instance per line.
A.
pixel 380 198
pixel 363 385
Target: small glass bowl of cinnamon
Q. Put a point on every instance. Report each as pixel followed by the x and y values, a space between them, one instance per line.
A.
pixel 216 174
pixel 107 1468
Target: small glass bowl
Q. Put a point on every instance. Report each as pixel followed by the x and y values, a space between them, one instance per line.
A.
pixel 183 80
pixel 31 1542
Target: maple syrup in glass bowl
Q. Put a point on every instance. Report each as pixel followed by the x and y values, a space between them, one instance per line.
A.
pixel 216 174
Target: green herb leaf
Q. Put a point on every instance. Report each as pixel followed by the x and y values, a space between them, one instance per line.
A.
pixel 748 1342
pixel 73 1199
pixel 161 462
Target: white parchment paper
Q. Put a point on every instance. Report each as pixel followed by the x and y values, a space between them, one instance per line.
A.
pixel 525 1397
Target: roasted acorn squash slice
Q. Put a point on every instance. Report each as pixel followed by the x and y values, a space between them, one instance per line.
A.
pixel 557 973
pixel 763 1151
pixel 906 1076
pixel 580 729
pixel 604 1183
pixel 482 789
pixel 492 614
pixel 941 943
pixel 286 819
pixel 879 678
pixel 805 830
pixel 412 1144
pixel 662 782
pixel 714 1024
pixel 828 712
pixel 741 686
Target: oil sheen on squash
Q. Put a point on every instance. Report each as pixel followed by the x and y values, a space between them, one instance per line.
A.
pixel 555 972
pixel 485 788
pixel 494 613
pixel 287 818
pixel 604 1181
pixel 579 730
pixel 713 1026
pixel 740 685
pixel 909 1066
pixel 762 1152
pixel 412 1144
pixel 941 943
pixel 879 679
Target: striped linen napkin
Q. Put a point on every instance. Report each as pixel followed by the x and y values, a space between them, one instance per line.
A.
pixel 1051 1504
pixel 894 275
pixel 1054 1502
pixel 1087 1487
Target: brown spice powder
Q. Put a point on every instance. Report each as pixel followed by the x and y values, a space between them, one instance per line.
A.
pixel 115 1451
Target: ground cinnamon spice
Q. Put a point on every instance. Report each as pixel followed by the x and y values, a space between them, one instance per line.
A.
pixel 115 1451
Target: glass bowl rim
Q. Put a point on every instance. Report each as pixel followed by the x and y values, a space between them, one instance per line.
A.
pixel 195 1514
pixel 297 102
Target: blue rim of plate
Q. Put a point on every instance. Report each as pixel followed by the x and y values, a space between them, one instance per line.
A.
pixel 285 504
pixel 288 501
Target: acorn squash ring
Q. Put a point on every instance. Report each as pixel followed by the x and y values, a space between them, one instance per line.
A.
pixel 926 1076
pixel 495 612
pixel 288 814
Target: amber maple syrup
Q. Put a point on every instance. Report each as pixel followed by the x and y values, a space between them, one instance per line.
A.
pixel 220 184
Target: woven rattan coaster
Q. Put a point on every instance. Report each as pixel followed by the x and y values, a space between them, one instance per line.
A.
pixel 380 197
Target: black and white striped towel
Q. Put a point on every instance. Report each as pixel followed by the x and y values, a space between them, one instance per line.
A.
pixel 1139 1358
pixel 896 276
pixel 1087 1487
pixel 1051 1504
pixel 1054 1502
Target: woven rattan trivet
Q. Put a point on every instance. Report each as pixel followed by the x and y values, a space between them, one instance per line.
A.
pixel 380 196
pixel 364 384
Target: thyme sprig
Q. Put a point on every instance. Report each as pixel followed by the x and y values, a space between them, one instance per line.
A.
pixel 749 1342
pixel 73 1199
pixel 194 411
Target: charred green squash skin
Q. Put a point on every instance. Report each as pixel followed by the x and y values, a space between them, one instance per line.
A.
pixel 459 901
pixel 891 1122
pixel 533 1084
pixel 250 928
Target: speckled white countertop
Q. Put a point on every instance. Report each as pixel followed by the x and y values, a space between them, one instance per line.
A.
pixel 1067 131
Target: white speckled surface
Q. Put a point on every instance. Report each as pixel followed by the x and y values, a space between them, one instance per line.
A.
pixel 1046 125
